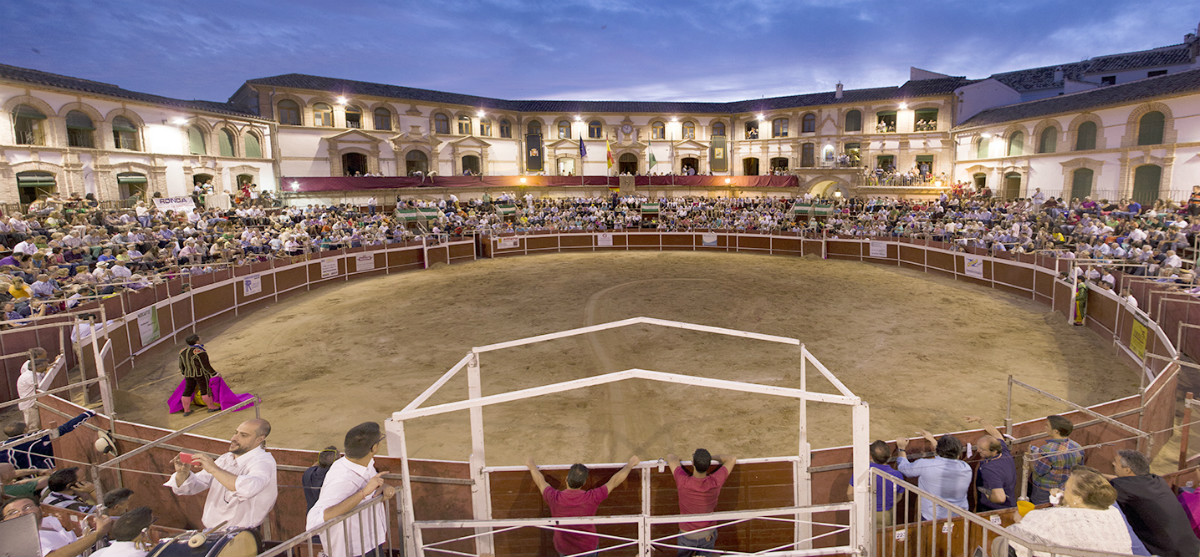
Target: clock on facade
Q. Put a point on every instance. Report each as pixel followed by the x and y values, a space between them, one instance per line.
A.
pixel 626 129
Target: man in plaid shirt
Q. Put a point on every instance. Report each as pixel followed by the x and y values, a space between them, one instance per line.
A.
pixel 1055 461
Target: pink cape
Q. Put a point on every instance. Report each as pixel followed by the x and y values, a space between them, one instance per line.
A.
pixel 222 395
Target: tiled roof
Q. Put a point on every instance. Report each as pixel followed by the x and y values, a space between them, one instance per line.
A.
pixel 912 89
pixel 1035 79
pixel 35 77
pixel 1161 86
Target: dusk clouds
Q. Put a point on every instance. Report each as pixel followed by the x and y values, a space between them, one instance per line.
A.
pixel 571 49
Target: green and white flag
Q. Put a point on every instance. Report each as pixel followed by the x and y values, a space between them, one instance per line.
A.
pixel 651 158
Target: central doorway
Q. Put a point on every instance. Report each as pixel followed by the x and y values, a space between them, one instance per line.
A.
pixel 627 164
pixel 750 166
pixel 354 164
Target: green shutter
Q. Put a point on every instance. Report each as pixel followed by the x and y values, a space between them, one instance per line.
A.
pixel 1081 183
pixel 196 141
pixel 1048 143
pixel 1150 129
pixel 26 111
pixel 131 178
pixel 253 148
pixel 225 143
pixel 1085 137
pixel 1146 180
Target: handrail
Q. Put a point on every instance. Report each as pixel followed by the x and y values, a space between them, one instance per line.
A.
pixel 307 535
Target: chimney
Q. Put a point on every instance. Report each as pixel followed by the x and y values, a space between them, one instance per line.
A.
pixel 1058 74
pixel 838 93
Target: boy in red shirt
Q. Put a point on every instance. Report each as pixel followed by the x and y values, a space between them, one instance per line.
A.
pixel 698 494
pixel 575 501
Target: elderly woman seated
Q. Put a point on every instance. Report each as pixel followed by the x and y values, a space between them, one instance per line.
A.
pixel 1086 519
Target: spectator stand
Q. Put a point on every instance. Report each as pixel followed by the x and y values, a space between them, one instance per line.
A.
pixel 816 527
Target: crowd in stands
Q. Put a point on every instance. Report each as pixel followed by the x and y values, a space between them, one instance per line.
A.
pixel 54 256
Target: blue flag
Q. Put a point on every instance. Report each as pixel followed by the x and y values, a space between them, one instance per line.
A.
pixel 582 147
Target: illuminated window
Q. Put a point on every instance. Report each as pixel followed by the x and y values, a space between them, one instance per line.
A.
pixel 322 115
pixel 441 123
pixel 689 130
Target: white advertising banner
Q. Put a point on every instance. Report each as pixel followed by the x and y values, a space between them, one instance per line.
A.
pixel 709 239
pixel 973 265
pixel 329 267
pixel 364 262
pixel 251 285
pixel 510 243
pixel 165 204
pixel 878 249
pixel 147 320
pixel 604 239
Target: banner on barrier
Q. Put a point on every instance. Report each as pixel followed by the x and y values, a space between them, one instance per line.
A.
pixel 509 243
pixel 364 262
pixel 164 204
pixel 1137 338
pixel 604 239
pixel 329 267
pixel 251 285
pixel 147 321
pixel 878 249
pixel 973 266
pixel 709 239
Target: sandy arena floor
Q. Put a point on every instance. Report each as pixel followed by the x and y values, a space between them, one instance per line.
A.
pixel 922 350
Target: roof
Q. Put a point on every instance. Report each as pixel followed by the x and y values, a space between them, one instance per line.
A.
pixel 911 89
pixel 1034 79
pixel 1161 86
pixel 47 79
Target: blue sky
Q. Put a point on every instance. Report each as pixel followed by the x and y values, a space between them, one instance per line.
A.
pixel 571 49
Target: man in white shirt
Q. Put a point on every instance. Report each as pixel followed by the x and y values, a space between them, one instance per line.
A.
pixel 32 372
pixel 351 480
pixel 241 483
pixel 55 540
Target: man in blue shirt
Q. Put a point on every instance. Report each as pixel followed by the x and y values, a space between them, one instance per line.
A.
pixel 885 491
pixel 996 484
pixel 944 475
pixel 37 452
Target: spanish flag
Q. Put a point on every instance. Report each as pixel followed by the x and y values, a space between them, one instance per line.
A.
pixel 608 147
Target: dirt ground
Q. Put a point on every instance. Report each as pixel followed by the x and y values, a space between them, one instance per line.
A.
pixel 922 350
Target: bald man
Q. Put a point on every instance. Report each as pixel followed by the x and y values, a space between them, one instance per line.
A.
pixel 241 483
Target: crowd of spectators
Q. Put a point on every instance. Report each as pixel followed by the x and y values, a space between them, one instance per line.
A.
pixel 55 256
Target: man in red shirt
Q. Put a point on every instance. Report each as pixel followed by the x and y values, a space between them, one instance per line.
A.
pixel 575 501
pixel 698 494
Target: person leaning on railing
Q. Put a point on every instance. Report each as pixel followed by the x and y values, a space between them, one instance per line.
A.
pixel 351 480
pixel 1086 518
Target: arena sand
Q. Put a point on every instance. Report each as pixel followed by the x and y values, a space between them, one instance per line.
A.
pixel 922 350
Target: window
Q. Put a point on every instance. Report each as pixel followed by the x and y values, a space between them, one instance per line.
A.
pixel 1108 80
pixel 1085 136
pixel 982 149
pixel 752 130
pixel 485 127
pixel 808 156
pixel 534 128
pixel 808 124
pixel 886 162
pixel 779 127
pixel 505 128
pixel 1081 183
pixel 658 130
pixel 1156 73
pixel 225 142
pixel 195 141
pixel 29 124
pixel 323 115
pixel 464 125
pixel 854 121
pixel 1150 128
pixel 779 164
pixel 131 184
pixel 383 119
pixel 689 130
pixel 441 123
pixel 125 134
pixel 34 185
pixel 718 128
pixel 1048 141
pixel 595 129
pixel 925 164
pixel 853 154
pixel 289 113
pixel 416 161
pixel 253 147
pixel 80 130
pixel 564 130
pixel 925 120
pixel 1146 180
pixel 1016 144
pixel 353 117
pixel 885 121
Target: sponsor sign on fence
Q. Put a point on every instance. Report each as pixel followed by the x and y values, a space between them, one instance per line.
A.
pixel 252 285
pixel 509 243
pixel 878 249
pixel 329 267
pixel 364 262
pixel 604 239
pixel 973 266
pixel 147 322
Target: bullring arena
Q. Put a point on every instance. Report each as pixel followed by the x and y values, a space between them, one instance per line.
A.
pixel 891 325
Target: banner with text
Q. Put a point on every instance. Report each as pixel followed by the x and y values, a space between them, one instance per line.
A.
pixel 604 239
pixel 165 204
pixel 709 239
pixel 329 267
pixel 1137 338
pixel 973 266
pixel 147 321
pixel 364 262
pixel 509 243
pixel 251 285
pixel 878 249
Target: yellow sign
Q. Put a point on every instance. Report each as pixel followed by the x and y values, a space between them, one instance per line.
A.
pixel 1137 339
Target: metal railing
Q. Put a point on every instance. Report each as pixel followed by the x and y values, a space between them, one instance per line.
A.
pixel 355 533
pixel 962 534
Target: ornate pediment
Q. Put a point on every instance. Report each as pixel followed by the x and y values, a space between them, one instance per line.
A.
pixel 469 141
pixel 690 144
pixel 354 136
